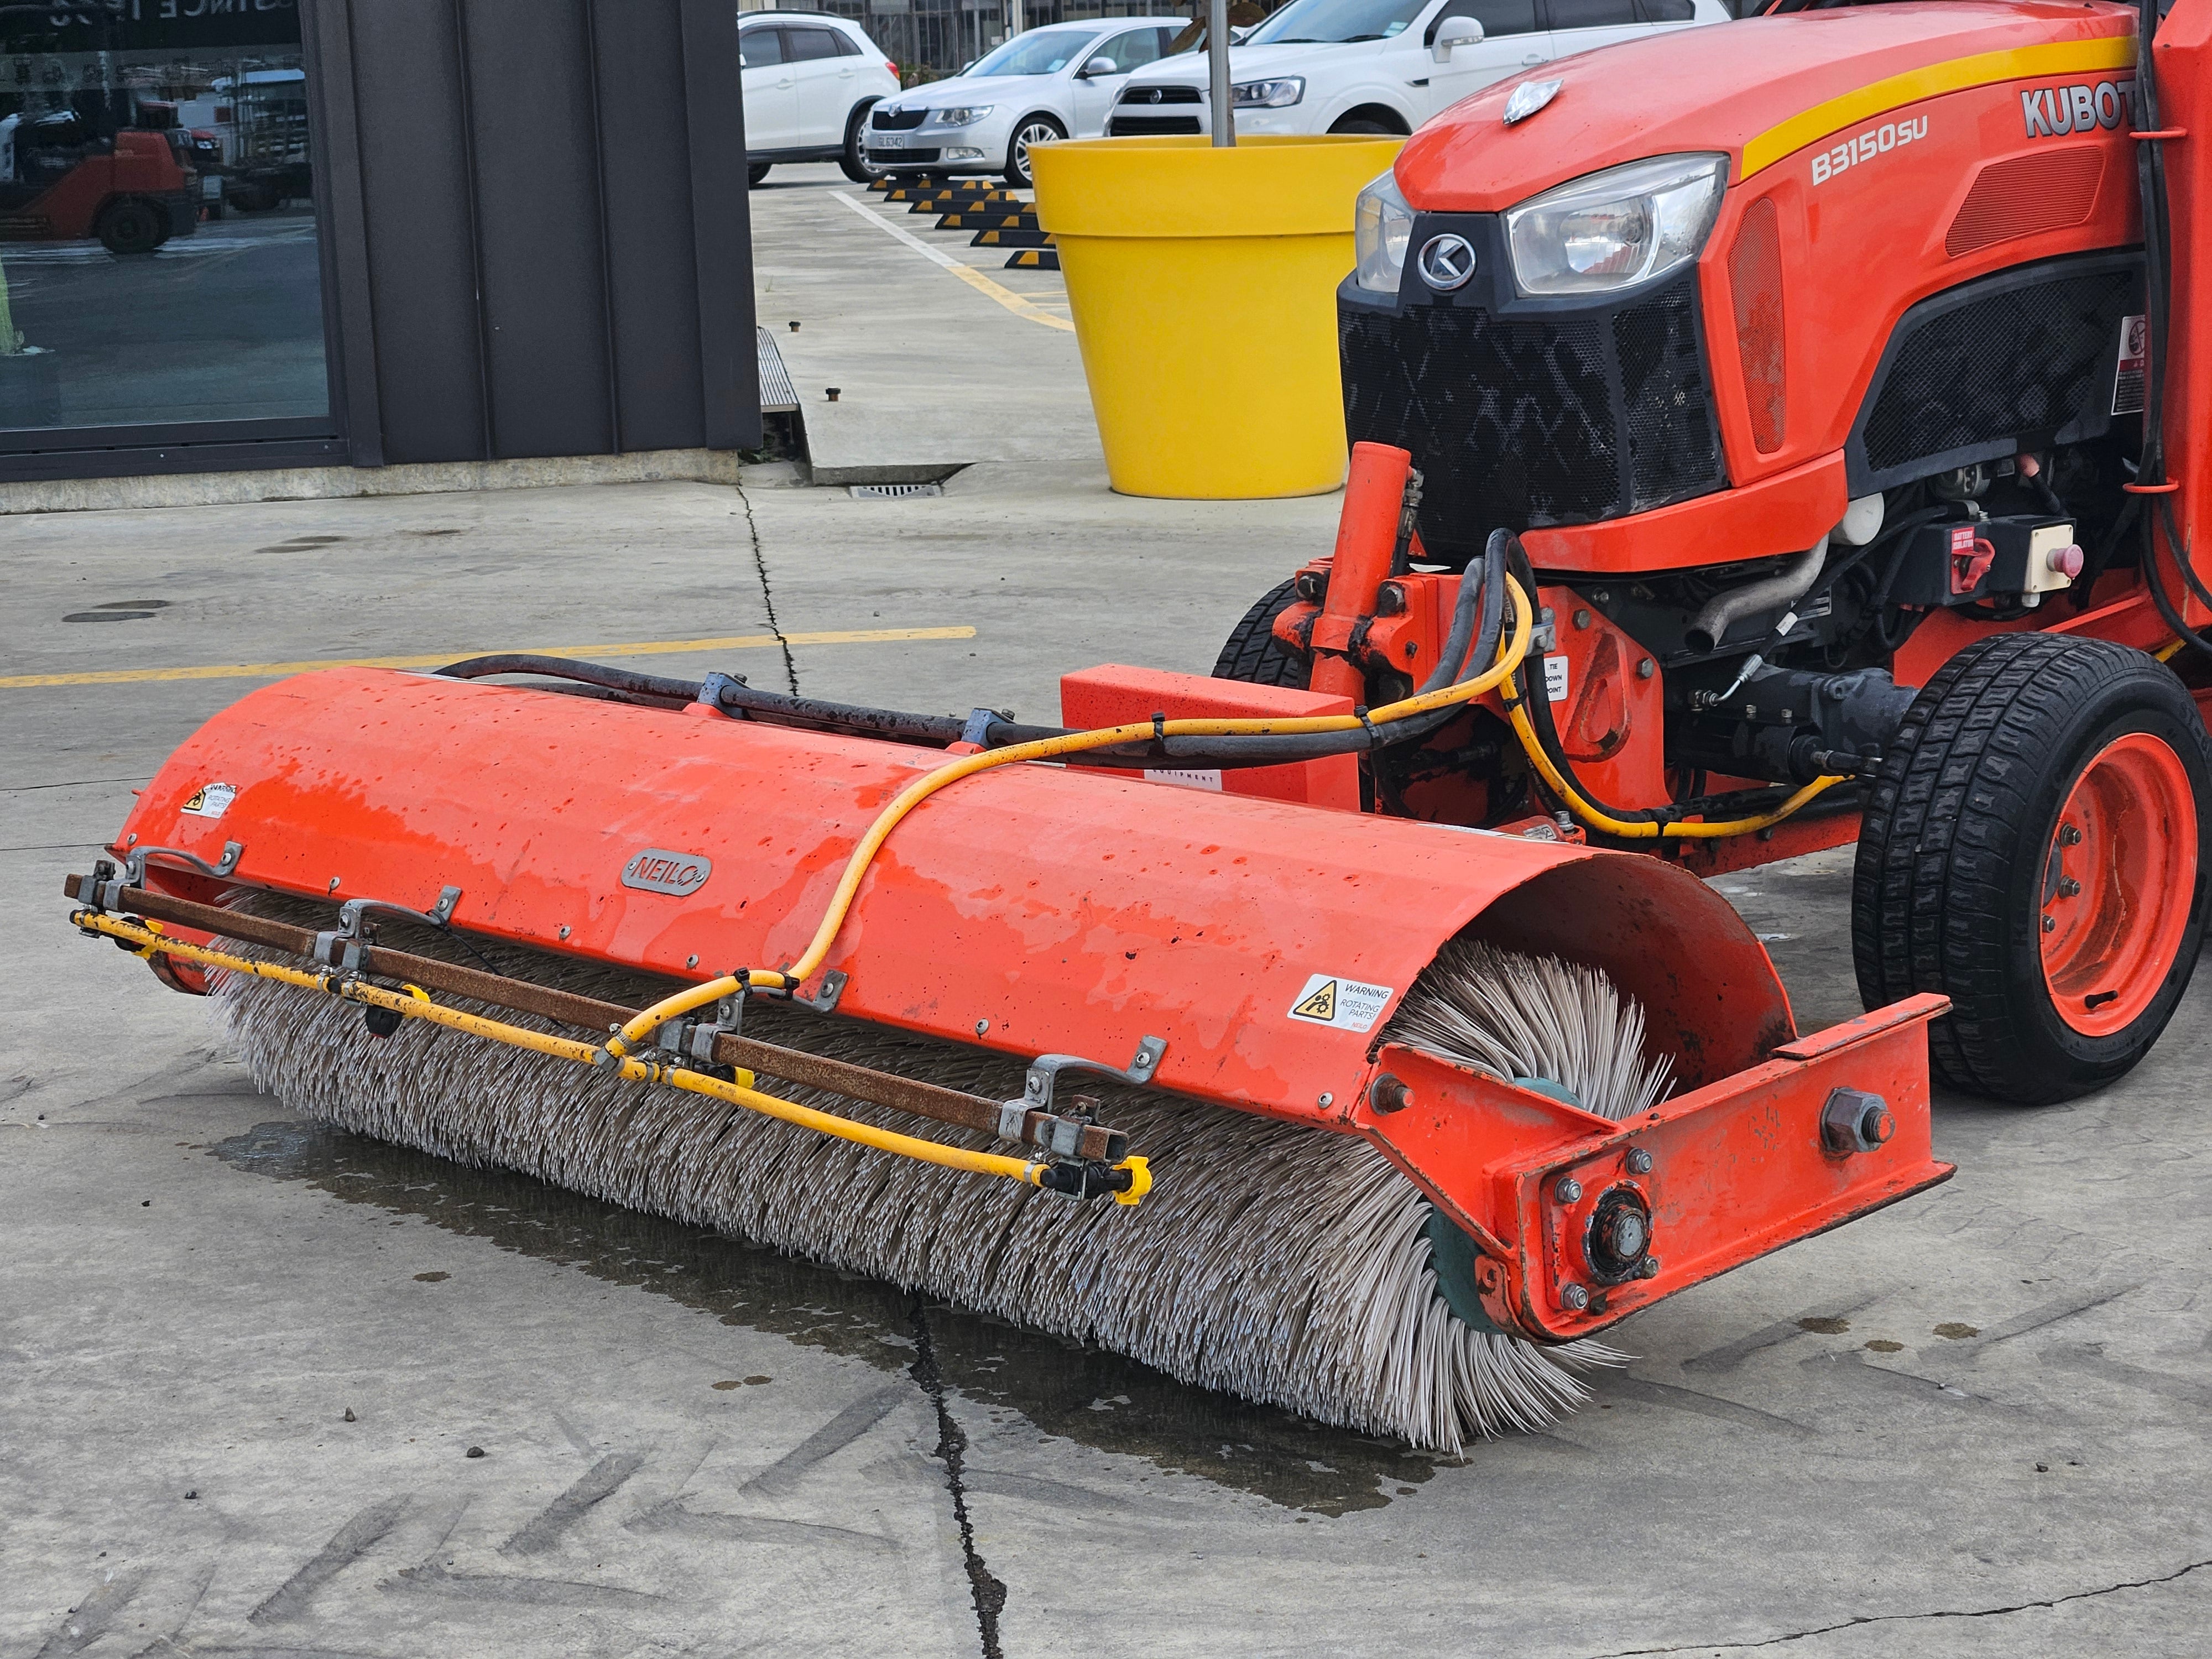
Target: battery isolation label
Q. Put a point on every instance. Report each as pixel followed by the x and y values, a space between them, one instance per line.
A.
pixel 1347 1003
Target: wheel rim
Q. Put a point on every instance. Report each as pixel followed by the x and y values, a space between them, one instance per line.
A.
pixel 1027 139
pixel 2119 878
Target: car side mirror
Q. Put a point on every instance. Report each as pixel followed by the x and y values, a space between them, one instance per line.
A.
pixel 1454 31
pixel 1098 66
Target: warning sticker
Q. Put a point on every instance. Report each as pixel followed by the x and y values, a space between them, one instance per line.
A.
pixel 209 800
pixel 1555 678
pixel 1333 1000
pixel 2135 363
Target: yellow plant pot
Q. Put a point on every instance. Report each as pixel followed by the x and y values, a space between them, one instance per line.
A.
pixel 1203 285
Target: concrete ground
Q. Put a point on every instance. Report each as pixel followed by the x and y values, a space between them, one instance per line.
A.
pixel 246 1362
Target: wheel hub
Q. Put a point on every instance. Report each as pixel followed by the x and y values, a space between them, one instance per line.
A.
pixel 2118 882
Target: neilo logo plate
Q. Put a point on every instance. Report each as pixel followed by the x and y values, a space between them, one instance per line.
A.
pixel 657 870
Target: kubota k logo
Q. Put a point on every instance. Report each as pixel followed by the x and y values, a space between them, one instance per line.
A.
pixel 2054 112
pixel 1447 262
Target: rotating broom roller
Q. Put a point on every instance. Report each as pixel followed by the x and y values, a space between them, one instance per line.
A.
pixel 1415 1114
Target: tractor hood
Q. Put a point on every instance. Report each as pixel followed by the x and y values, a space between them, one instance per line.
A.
pixel 1760 89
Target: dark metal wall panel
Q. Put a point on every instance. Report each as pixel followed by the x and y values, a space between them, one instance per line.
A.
pixel 415 186
pixel 722 224
pixel 646 185
pixel 532 120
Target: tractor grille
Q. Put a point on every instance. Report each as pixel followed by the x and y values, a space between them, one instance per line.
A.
pixel 2024 359
pixel 1150 126
pixel 1516 424
pixel 894 120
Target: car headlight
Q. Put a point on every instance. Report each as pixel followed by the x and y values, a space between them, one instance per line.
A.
pixel 1382 229
pixel 1625 225
pixel 1269 95
pixel 966 116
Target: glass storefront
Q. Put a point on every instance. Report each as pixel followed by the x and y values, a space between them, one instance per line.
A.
pixel 159 265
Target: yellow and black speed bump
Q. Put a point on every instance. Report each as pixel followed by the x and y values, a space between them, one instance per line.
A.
pixel 1034 259
pixel 943 203
pixel 1011 239
pixel 909 189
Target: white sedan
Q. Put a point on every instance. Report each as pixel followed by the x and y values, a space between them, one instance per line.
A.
pixel 1385 65
pixel 1046 84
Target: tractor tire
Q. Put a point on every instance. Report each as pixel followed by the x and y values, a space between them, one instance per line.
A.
pixel 2033 849
pixel 131 226
pixel 1255 655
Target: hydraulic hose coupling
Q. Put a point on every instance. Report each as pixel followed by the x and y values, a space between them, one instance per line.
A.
pixel 1125 1183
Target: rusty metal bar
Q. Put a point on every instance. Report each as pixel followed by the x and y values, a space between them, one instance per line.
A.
pixel 900 1094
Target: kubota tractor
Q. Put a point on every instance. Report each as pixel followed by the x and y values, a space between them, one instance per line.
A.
pixel 1833 376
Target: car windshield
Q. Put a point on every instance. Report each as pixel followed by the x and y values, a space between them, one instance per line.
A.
pixel 1040 51
pixel 1336 22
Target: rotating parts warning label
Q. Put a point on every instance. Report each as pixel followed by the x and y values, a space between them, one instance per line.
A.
pixel 209 800
pixel 1333 1000
pixel 2128 380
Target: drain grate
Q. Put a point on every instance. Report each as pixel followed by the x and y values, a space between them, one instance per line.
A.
pixel 892 492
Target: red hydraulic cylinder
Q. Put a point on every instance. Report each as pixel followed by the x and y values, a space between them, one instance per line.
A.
pixel 1366 536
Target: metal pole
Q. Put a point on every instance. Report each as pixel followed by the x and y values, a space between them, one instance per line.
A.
pixel 1216 73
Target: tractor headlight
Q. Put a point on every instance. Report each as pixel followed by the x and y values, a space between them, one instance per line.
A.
pixel 1625 225
pixel 1269 95
pixel 966 116
pixel 1382 228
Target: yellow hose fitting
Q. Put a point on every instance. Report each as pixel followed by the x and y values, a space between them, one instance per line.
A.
pixel 1140 1181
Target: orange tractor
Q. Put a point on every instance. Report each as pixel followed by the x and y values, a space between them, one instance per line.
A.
pixel 73 175
pixel 1737 476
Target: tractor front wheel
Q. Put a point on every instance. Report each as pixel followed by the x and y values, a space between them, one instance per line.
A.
pixel 1255 655
pixel 2033 849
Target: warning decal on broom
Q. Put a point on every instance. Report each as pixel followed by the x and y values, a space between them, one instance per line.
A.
pixel 1333 1000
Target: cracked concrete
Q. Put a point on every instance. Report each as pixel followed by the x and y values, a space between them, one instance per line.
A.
pixel 243 1360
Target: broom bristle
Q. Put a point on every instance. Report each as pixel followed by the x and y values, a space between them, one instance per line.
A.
pixel 1284 1265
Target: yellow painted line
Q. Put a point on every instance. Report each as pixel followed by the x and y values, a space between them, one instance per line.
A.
pixel 270 671
pixel 1959 74
pixel 968 274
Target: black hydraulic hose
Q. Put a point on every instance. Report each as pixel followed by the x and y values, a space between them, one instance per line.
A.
pixel 2158 278
pixel 1835 573
pixel 941 731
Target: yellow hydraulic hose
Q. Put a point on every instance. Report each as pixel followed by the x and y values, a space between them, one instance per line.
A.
pixel 1072 742
pixel 413 1003
pixel 1640 830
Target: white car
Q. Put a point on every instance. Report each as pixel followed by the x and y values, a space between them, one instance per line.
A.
pixel 1385 65
pixel 809 80
pixel 1042 85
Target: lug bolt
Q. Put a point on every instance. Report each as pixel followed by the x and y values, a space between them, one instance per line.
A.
pixel 2050 924
pixel 1568 1190
pixel 2069 835
pixel 1575 1297
pixel 2068 887
pixel 1639 1161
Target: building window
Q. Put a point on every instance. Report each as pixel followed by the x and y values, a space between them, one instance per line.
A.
pixel 159 265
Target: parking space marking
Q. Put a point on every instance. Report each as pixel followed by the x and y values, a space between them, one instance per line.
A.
pixel 968 274
pixel 270 671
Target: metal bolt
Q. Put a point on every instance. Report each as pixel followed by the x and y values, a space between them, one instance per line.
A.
pixel 691 962
pixel 1639 1161
pixel 2069 835
pixel 1327 1100
pixel 1389 1094
pixel 333 887
pixel 1575 1297
pixel 1646 669
pixel 2050 924
pixel 1568 1190
pixel 981 1026
pixel 128 839
pixel 2068 887
pixel 564 930
pixel 1582 619
pixel 1648 1268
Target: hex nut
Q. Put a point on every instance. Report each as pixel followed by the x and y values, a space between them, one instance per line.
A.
pixel 1568 1190
pixel 1639 1161
pixel 1574 1297
pixel 1853 1121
